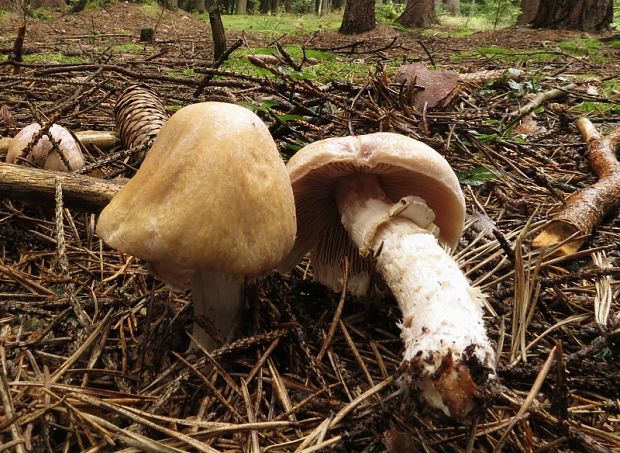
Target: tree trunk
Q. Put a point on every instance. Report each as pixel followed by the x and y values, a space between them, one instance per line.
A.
pixel 528 11
pixel 337 4
pixel 241 6
pixel 201 6
pixel 418 13
pixel 264 7
pixel 587 15
pixel 453 7
pixel 359 17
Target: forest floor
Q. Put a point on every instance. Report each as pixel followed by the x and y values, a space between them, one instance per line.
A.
pixel 124 381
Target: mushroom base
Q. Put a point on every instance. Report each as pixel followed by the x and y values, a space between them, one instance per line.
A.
pixel 442 326
pixel 218 303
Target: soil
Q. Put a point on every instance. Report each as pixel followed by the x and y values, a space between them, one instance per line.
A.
pixel 93 348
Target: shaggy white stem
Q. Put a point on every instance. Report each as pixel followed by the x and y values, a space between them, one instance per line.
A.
pixel 442 314
pixel 218 302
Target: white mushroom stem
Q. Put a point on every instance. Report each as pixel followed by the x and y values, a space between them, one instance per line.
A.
pixel 218 302
pixel 442 324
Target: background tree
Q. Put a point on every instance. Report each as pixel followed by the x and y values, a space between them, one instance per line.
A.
pixel 241 6
pixel 589 15
pixel 418 13
pixel 528 11
pixel 453 7
pixel 268 6
pixel 359 16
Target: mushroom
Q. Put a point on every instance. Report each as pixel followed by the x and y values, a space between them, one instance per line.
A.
pixel 44 153
pixel 212 204
pixel 393 203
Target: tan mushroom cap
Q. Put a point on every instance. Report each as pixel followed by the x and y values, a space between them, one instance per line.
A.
pixel 403 166
pixel 213 193
pixel 42 152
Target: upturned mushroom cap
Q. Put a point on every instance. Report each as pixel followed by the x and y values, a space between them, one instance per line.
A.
pixel 213 194
pixel 403 166
pixel 43 153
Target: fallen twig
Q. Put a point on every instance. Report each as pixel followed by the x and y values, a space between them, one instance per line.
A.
pixel 586 207
pixel 35 185
pixel 539 100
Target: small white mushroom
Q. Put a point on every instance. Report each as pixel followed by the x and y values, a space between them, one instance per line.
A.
pixel 397 201
pixel 212 204
pixel 43 153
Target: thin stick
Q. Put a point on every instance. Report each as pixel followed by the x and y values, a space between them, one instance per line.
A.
pixel 337 313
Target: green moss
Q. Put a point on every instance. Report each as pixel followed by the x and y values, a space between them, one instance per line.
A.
pixel 580 45
pixel 274 25
pixel 173 108
pixel 459 32
pixel 41 14
pixel 128 48
pixel 491 51
pixel 151 9
pixel 326 66
pixel 181 74
pixel 508 56
pixel 53 57
pixel 609 89
pixel 599 107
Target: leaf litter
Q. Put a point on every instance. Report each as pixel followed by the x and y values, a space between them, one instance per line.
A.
pixel 93 348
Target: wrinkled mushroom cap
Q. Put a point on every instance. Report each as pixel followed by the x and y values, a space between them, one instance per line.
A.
pixel 213 193
pixel 403 166
pixel 43 153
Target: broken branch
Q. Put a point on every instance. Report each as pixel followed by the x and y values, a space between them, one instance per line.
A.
pixel 587 207
pixel 39 186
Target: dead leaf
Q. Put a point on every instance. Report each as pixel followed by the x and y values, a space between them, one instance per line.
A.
pixel 427 87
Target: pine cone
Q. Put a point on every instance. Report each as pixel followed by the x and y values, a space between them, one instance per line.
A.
pixel 139 115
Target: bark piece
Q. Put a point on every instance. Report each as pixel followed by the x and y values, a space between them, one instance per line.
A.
pixel 427 87
pixel 587 207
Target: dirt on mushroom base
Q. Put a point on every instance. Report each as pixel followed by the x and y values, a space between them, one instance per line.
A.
pixel 131 347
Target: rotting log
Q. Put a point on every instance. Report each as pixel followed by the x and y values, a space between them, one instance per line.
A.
pixel 100 139
pixel 588 206
pixel 38 186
